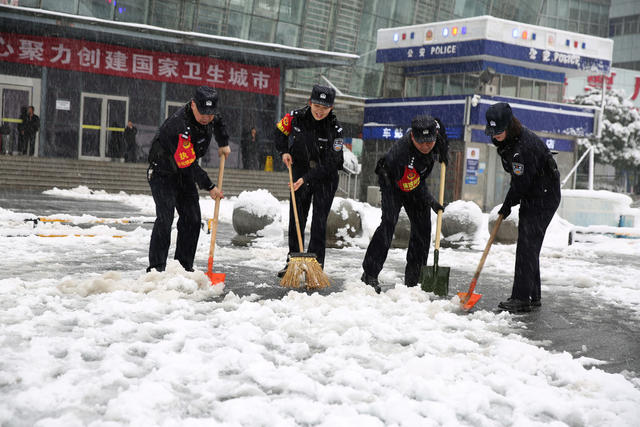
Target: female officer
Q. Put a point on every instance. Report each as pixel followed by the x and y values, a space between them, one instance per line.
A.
pixel 535 185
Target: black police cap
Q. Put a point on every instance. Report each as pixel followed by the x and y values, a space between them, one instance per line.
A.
pixel 498 118
pixel 323 95
pixel 206 99
pixel 424 128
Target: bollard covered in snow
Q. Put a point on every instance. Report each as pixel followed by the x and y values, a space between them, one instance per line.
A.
pixel 461 222
pixel 254 211
pixel 508 232
pixel 343 221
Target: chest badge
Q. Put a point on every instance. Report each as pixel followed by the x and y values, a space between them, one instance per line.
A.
pixel 185 154
pixel 518 168
pixel 410 179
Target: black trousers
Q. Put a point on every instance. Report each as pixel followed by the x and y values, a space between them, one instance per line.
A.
pixel 170 193
pixel 419 213
pixel 532 227
pixel 322 197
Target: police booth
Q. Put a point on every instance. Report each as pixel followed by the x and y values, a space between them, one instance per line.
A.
pixel 455 70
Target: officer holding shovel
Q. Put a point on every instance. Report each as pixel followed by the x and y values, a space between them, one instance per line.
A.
pixel 174 172
pixel 535 185
pixel 402 175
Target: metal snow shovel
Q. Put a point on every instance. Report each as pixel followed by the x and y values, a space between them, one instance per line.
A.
pixel 469 299
pixel 436 279
pixel 215 277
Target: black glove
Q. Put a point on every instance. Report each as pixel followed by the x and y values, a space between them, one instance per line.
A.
pixel 437 207
pixel 505 210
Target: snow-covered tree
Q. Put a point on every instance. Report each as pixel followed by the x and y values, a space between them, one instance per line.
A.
pixel 620 142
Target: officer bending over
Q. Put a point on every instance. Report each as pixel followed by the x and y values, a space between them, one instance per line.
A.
pixel 174 172
pixel 535 185
pixel 402 175
pixel 310 141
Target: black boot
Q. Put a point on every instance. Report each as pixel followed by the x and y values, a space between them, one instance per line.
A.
pixel 282 272
pixel 514 305
pixel 371 281
pixel 535 303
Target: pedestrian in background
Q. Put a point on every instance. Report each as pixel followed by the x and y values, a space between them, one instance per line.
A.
pixel 130 145
pixel 402 176
pixel 250 149
pixel 28 129
pixel 309 141
pixel 174 172
pixel 535 185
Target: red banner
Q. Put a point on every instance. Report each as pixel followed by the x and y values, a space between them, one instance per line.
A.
pixel 80 55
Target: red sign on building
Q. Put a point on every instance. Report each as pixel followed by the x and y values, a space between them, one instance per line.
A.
pixel 80 55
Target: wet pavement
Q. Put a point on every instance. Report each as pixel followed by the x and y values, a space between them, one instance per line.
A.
pixel 568 320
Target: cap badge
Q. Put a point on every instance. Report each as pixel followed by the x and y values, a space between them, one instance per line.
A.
pixel 209 103
pixel 323 96
pixel 492 123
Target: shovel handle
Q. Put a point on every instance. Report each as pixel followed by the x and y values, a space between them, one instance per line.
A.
pixel 295 209
pixel 216 212
pixel 494 232
pixel 443 169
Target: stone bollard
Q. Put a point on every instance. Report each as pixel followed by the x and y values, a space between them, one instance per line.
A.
pixel 343 221
pixel 461 221
pixel 402 232
pixel 508 231
pixel 252 213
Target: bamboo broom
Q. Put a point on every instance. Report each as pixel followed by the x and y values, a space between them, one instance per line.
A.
pixel 302 265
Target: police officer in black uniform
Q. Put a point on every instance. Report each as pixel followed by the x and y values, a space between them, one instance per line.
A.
pixel 535 185
pixel 402 175
pixel 174 172
pixel 310 141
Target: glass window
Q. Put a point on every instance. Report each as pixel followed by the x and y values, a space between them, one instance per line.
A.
pixel 508 85
pixel 266 8
pixel 410 87
pixel 210 20
pixel 66 6
pixel 165 14
pixel 132 11
pixel 30 3
pixel 290 11
pixel 404 11
pixel 540 90
pixel 244 5
pixel 456 84
pixel 96 8
pixel 526 88
pixel 287 34
pixel 439 85
pixel 237 24
pixel 554 92
pixel 425 85
pixel 261 29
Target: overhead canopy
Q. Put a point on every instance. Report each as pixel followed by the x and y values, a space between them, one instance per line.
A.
pixel 53 24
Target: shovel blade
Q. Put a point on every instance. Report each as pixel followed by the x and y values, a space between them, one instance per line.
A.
pixel 216 278
pixel 435 279
pixel 468 301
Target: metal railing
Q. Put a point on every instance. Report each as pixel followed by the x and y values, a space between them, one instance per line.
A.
pixel 348 183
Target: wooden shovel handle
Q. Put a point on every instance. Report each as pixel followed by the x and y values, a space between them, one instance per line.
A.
pixel 216 212
pixel 295 209
pixel 494 232
pixel 441 201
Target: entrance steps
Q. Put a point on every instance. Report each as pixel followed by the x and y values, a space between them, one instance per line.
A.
pixel 44 173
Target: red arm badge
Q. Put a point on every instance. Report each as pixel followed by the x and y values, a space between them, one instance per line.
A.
pixel 285 124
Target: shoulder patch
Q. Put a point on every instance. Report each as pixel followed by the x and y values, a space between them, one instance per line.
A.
pixel 285 124
pixel 337 144
pixel 518 168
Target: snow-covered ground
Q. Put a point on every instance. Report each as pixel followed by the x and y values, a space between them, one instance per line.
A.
pixel 88 339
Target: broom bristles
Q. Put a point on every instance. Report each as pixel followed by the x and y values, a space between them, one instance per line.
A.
pixel 305 268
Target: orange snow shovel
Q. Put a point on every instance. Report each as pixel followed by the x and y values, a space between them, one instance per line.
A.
pixel 215 277
pixel 469 299
pixel 436 279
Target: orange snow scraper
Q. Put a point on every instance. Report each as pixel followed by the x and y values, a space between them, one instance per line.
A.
pixel 469 299
pixel 215 278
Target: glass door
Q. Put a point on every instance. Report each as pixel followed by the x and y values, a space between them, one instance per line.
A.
pixel 103 118
pixel 15 100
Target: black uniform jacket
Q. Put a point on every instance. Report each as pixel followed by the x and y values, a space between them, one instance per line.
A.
pixel 535 180
pixel 407 169
pixel 180 141
pixel 315 145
